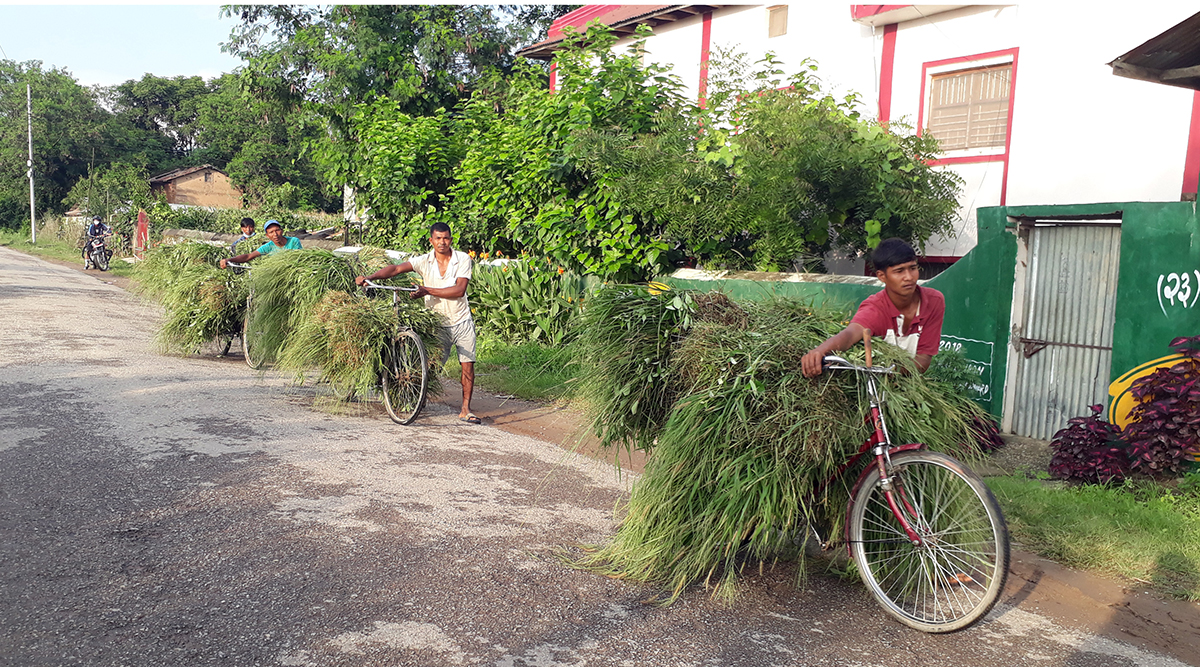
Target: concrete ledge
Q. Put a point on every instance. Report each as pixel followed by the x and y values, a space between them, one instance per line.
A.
pixel 774 277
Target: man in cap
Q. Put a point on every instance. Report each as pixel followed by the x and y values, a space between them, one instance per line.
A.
pixel 278 241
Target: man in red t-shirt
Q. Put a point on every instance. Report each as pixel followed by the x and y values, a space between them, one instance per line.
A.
pixel 903 313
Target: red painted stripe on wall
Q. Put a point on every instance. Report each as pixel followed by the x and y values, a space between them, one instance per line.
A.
pixel 1012 102
pixel 705 42
pixel 885 73
pixel 1191 163
pixel 553 76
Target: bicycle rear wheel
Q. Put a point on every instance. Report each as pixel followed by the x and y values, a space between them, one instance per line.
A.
pixel 251 340
pixel 955 576
pixel 405 377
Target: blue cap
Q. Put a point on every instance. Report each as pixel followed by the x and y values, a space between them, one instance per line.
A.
pixel 272 222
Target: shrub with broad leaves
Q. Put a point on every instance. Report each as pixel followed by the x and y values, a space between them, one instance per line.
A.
pixel 1164 429
pixel 1089 450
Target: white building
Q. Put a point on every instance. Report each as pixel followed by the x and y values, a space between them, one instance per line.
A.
pixel 1021 96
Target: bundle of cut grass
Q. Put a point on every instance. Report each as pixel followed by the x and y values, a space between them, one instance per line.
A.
pixel 287 285
pixel 202 303
pixel 628 333
pixel 344 336
pixel 164 265
pixel 748 442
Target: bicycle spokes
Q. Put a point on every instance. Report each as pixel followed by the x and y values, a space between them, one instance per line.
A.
pixel 953 575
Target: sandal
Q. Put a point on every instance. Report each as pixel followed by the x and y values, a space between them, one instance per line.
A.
pixel 470 419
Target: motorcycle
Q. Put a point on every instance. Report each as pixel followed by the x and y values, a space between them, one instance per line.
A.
pixel 98 253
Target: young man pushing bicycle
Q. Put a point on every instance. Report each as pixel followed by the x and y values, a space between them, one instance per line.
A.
pixel 445 273
pixel 909 316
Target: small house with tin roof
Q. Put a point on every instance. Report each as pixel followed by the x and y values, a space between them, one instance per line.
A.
pixel 204 185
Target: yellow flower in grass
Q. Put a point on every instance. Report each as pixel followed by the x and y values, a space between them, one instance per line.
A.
pixel 471 254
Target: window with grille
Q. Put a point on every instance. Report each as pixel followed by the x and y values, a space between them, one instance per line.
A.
pixel 776 21
pixel 969 109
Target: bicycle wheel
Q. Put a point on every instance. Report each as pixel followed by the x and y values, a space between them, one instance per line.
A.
pixel 251 341
pixel 955 576
pixel 405 377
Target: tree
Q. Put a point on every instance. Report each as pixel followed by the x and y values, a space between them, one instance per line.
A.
pixel 119 189
pixel 70 132
pixel 166 108
pixel 260 145
pixel 329 59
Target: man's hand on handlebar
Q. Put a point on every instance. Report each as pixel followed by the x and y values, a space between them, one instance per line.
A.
pixel 360 280
pixel 813 362
pixel 222 263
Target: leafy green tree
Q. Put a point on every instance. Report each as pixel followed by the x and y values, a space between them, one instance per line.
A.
pixel 261 146
pixel 70 132
pixel 330 59
pixel 164 108
pixel 113 192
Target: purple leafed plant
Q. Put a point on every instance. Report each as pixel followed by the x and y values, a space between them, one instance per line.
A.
pixel 1164 429
pixel 1089 450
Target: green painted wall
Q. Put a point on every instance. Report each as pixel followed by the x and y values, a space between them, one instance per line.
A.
pixel 1158 294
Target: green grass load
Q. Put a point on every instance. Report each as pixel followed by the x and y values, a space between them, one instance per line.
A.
pixel 741 442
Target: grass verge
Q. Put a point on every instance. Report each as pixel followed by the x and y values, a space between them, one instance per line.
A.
pixel 54 249
pixel 1142 531
pixel 527 371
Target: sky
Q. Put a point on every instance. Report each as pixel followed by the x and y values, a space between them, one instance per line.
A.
pixel 110 44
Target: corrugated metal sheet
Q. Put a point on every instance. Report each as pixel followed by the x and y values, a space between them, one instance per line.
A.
pixel 1069 313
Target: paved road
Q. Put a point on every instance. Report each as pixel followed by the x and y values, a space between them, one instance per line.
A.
pixel 160 510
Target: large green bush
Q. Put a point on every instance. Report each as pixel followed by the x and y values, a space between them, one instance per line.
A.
pixel 617 174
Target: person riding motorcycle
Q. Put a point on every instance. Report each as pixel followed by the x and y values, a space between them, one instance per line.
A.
pixel 95 230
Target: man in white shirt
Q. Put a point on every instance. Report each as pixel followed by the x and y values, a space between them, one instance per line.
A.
pixel 445 272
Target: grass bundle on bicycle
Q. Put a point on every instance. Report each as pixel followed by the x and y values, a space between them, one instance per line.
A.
pixel 201 302
pixel 344 338
pixel 742 443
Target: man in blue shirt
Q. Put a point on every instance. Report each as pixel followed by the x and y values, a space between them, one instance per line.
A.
pixel 274 231
pixel 96 229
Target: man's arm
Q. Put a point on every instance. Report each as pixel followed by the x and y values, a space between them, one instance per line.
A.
pixel 384 273
pixel 923 361
pixel 240 259
pixel 459 289
pixel 843 340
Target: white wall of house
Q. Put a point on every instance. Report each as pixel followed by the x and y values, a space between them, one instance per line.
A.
pixel 1078 134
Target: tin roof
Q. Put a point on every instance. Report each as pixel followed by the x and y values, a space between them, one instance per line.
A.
pixel 1172 58
pixel 169 176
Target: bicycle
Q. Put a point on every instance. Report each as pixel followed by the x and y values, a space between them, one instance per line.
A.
pixel 404 375
pixel 250 334
pixel 927 535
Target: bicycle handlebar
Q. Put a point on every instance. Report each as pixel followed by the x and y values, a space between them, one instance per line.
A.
pixel 234 265
pixel 833 362
pixel 367 284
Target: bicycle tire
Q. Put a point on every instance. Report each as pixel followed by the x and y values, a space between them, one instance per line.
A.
pixel 405 377
pixel 956 576
pixel 251 341
pixel 100 260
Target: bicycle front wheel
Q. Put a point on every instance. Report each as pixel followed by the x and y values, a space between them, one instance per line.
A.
pixel 954 577
pixel 252 347
pixel 405 377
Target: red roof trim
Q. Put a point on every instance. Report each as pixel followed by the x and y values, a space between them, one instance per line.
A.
pixel 865 11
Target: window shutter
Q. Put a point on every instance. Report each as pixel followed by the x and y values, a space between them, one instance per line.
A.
pixel 777 20
pixel 969 109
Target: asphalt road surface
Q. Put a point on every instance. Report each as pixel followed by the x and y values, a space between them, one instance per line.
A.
pixel 159 510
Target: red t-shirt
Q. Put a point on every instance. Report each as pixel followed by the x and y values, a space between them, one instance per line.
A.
pixel 879 314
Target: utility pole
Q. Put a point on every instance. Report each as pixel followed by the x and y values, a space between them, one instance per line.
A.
pixel 29 163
